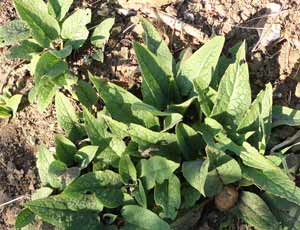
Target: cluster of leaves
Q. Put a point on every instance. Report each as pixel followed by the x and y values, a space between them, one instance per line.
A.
pixel 9 104
pixel 150 164
pixel 46 35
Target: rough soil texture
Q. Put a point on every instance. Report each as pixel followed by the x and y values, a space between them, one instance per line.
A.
pixel 278 63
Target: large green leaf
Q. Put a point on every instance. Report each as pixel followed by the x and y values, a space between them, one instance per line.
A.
pixel 67 117
pixel 156 86
pixel 137 218
pixel 59 8
pixel 167 195
pixel 118 102
pixel 44 27
pixel 105 184
pixel 25 50
pixel 201 66
pixel 256 213
pixel 24 218
pixel 13 32
pixel 156 170
pixel 189 141
pixel 44 160
pixel 234 93
pixel 86 94
pixel 102 32
pixel 285 116
pixel 70 213
pixel 74 27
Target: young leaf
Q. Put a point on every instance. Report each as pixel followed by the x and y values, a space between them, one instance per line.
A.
pixel 67 118
pixel 55 171
pixel 127 169
pixel 140 195
pixel 285 116
pixel 68 212
pixel 13 103
pixel 156 170
pixel 44 160
pixel 256 213
pixel 137 218
pixel 105 184
pixel 118 102
pixel 200 65
pixel 44 27
pixel 157 46
pixel 25 50
pixel 102 32
pixel 85 155
pixel 59 8
pixel 234 93
pixel 86 94
pixel 63 53
pixel 65 149
pixel 13 32
pixel 167 195
pixel 24 218
pixel 5 112
pixel 189 141
pixel 156 87
pixel 74 28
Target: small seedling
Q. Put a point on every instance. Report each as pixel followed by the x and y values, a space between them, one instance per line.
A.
pixel 9 104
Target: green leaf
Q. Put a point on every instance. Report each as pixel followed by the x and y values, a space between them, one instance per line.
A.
pixel 102 32
pixel 285 116
pixel 157 46
pixel 70 213
pixel 167 195
pixel 137 218
pixel 259 118
pixel 195 172
pixel 189 141
pixel 25 50
pixel 256 213
pixel 41 193
pixel 190 196
pixel 14 102
pixel 182 107
pixel 105 184
pixel 156 170
pixel 156 86
pixel 63 53
pixel 67 118
pixel 59 8
pixel 13 32
pixel 55 171
pixel 127 169
pixel 44 160
pixel 275 182
pixel 140 195
pixel 74 28
pixel 201 66
pixel 25 217
pixel 86 94
pixel 234 94
pixel 85 155
pixel 5 112
pixel 118 102
pixel 44 28
pixel 45 91
pixel 65 149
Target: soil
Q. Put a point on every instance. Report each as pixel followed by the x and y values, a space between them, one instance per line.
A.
pixel 276 62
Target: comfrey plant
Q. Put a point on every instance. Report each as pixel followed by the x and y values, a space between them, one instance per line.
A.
pixel 154 163
pixel 46 35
